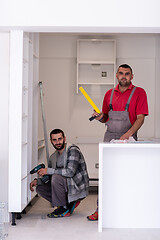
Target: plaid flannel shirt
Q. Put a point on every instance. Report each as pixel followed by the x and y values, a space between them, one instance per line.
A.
pixel 75 170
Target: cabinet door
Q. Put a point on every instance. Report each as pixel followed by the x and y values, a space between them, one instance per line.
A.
pixel 20 120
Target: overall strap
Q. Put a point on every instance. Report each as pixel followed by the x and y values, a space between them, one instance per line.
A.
pixel 111 97
pixel 129 99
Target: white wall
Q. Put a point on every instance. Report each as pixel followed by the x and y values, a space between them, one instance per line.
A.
pixel 4 81
pixel 157 90
pixel 84 13
pixel 70 111
pixel 63 107
pixel 140 53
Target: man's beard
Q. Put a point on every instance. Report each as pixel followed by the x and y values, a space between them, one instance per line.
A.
pixel 124 84
pixel 59 148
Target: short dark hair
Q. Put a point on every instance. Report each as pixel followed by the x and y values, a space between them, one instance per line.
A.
pixel 56 131
pixel 125 66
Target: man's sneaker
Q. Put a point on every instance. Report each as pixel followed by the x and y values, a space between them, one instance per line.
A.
pixel 93 217
pixel 73 205
pixel 59 212
pixel 54 212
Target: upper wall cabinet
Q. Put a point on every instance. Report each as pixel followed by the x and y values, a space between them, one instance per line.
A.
pixel 96 62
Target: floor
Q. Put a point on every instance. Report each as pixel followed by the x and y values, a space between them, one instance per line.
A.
pixel 35 225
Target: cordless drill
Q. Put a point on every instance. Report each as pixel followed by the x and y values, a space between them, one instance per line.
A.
pixel 34 170
pixel 45 178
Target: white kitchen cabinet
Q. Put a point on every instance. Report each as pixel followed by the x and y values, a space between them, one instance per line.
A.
pixel 96 62
pixel 129 185
pixel 23 120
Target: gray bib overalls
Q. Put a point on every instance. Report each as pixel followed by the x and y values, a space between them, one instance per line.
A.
pixel 119 122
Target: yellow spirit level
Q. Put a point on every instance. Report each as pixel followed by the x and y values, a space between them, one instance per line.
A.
pixel 90 101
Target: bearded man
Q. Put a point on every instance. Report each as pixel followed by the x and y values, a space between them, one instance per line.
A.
pixel 123 112
pixel 69 179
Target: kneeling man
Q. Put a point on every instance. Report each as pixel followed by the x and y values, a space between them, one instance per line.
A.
pixel 69 179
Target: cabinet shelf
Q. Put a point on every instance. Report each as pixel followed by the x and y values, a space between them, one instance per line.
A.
pixel 96 62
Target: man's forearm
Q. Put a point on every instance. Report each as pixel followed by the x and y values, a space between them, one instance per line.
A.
pixel 137 124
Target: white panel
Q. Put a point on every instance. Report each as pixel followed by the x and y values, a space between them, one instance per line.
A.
pixel 35 112
pixel 15 120
pixel 96 50
pixel 24 161
pixel 22 106
pixel 4 108
pixel 130 177
pixel 90 152
pixel 30 108
pixel 35 98
pixel 23 193
pixel 92 74
pixel 82 13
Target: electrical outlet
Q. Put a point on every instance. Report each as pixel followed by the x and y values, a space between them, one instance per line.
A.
pixel 104 74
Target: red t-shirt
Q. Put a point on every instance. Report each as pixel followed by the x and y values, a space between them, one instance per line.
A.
pixel 138 104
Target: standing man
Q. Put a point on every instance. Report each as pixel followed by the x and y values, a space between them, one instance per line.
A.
pixel 124 110
pixel 69 177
